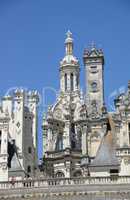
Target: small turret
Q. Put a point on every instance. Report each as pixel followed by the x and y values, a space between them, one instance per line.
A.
pixel 69 68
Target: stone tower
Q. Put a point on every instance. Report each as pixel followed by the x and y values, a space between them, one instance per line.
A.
pixel 61 135
pixel 94 70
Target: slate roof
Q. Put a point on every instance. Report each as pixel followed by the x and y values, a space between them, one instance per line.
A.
pixel 106 155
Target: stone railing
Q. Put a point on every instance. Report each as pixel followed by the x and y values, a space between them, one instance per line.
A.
pixel 62 153
pixel 46 183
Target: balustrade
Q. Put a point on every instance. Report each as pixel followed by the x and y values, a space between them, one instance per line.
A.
pixel 46 183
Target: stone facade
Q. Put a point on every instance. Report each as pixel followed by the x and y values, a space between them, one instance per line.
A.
pixel 80 137
pixel 86 149
pixel 18 135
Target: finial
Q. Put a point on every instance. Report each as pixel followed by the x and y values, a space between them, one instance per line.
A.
pixel 69 37
pixel 69 43
pixel 129 84
pixel 69 34
pixel 93 46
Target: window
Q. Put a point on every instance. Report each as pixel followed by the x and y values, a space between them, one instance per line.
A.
pixel 71 82
pixel 93 69
pixel 77 81
pixel 29 169
pixel 114 171
pixel 0 140
pixel 65 82
pixel 129 132
pixel 59 143
pixel 73 142
pixel 77 173
pixel 59 175
pixel 31 129
pixel 29 150
pixel 94 87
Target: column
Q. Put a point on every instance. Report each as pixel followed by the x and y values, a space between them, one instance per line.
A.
pixel 49 139
pixel 66 136
pixel 84 140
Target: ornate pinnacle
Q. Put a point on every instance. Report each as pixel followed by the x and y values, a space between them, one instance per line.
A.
pixel 69 37
pixel 129 84
pixel 69 43
pixel 69 34
pixel 93 46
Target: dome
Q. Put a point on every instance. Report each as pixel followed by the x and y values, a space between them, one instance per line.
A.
pixel 69 59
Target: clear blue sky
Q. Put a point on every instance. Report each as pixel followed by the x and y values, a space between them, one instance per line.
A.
pixel 32 34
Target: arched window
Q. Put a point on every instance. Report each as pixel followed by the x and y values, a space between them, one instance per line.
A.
pixel 77 173
pixel 71 82
pixel 59 143
pixel 94 87
pixel 59 175
pixel 65 82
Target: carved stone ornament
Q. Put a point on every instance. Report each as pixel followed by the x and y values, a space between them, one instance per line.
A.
pixel 3 166
pixel 58 114
pixel 94 108
pixel 126 161
pixel 18 124
pixel 18 132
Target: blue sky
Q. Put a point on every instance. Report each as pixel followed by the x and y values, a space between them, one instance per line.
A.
pixel 32 34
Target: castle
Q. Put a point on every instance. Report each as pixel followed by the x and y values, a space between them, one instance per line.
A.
pixel 80 137
pixel 86 149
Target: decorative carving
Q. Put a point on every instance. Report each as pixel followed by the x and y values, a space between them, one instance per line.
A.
pixel 58 114
pixel 94 108
pixel 126 161
pixel 18 124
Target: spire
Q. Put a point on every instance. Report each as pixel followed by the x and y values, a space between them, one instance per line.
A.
pixel 69 43
pixel 93 46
